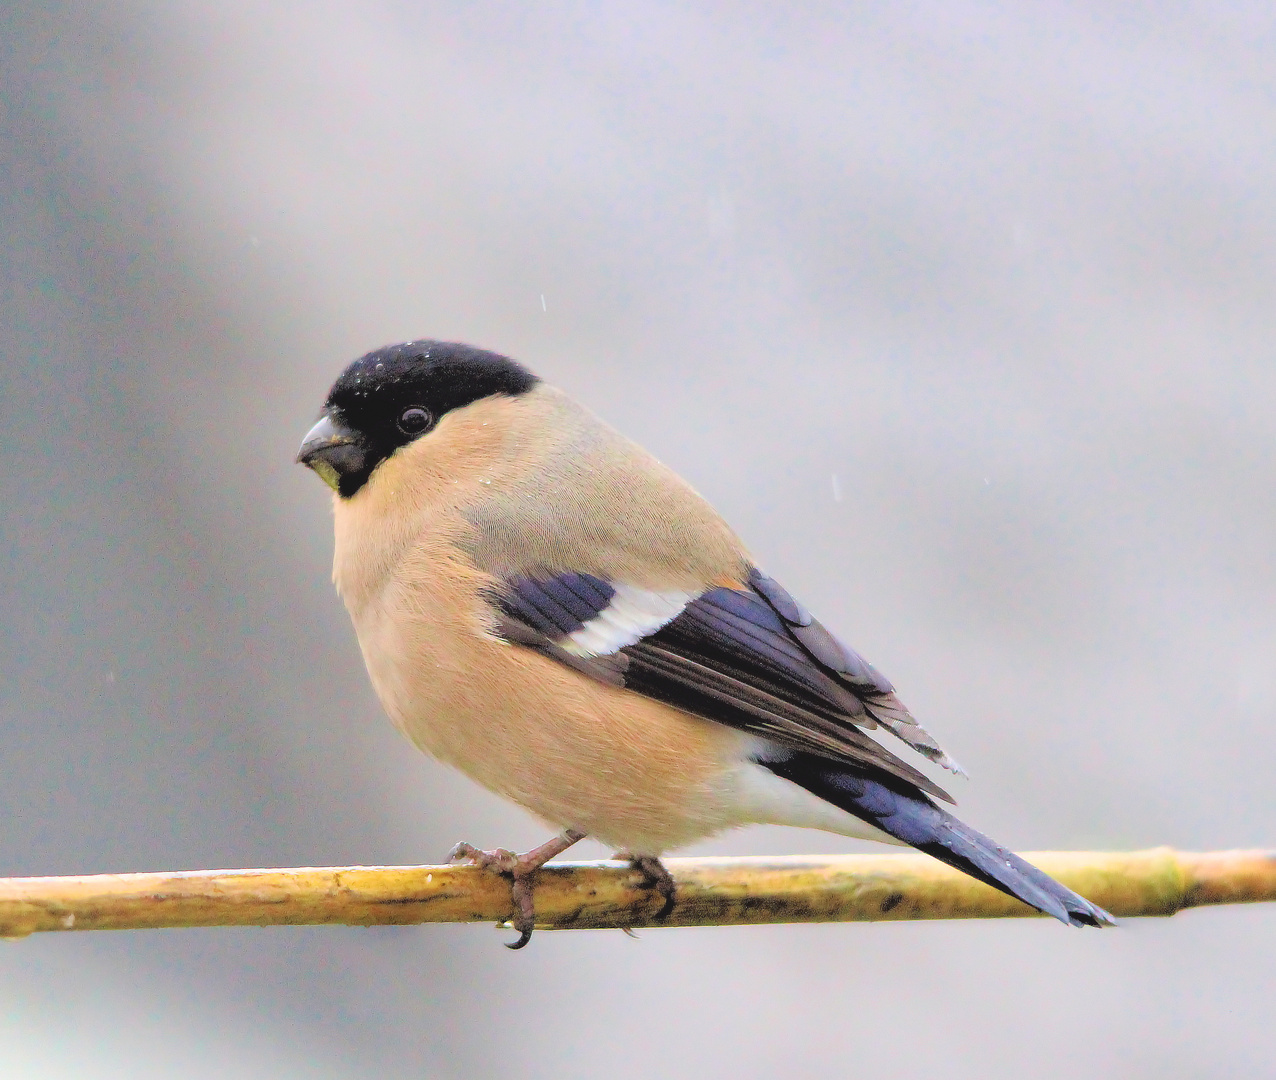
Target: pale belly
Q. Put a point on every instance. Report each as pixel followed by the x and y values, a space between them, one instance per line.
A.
pixel 629 771
pixel 577 753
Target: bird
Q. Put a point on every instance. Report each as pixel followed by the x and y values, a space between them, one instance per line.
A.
pixel 545 606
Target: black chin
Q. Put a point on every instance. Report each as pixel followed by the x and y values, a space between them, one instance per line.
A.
pixel 339 455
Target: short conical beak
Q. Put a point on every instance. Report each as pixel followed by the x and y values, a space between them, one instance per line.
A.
pixel 332 450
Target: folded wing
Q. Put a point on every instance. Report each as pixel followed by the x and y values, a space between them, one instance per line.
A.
pixel 750 657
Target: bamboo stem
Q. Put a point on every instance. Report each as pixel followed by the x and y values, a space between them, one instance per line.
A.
pixel 711 892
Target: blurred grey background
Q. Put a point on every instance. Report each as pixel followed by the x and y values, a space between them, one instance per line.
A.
pixel 964 314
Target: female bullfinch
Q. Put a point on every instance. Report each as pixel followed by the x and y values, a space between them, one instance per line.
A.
pixel 545 606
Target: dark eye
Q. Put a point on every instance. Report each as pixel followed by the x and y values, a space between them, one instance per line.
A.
pixel 415 420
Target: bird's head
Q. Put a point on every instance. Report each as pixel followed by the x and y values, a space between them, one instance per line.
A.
pixel 394 396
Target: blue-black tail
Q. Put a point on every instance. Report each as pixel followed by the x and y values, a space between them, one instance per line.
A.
pixel 892 805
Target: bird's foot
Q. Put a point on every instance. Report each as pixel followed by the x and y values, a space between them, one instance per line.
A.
pixel 522 870
pixel 655 877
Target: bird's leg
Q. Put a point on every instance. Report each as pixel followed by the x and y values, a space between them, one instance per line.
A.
pixel 654 876
pixel 522 869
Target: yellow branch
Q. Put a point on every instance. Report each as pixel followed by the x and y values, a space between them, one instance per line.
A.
pixel 711 892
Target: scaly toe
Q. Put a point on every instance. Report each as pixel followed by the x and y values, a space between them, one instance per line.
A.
pixel 656 877
pixel 498 860
pixel 462 851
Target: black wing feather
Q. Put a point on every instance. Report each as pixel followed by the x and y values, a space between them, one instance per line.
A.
pixel 741 630
pixel 710 692
pixel 541 612
pixel 848 667
pixel 555 605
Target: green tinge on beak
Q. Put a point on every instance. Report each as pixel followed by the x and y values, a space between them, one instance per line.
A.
pixel 332 450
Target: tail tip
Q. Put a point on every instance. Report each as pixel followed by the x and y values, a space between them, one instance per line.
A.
pixel 1088 914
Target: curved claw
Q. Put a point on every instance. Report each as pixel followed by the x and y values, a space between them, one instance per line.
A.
pixel 524 936
pixel 522 869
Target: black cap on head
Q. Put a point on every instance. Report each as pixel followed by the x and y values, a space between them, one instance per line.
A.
pixel 394 395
